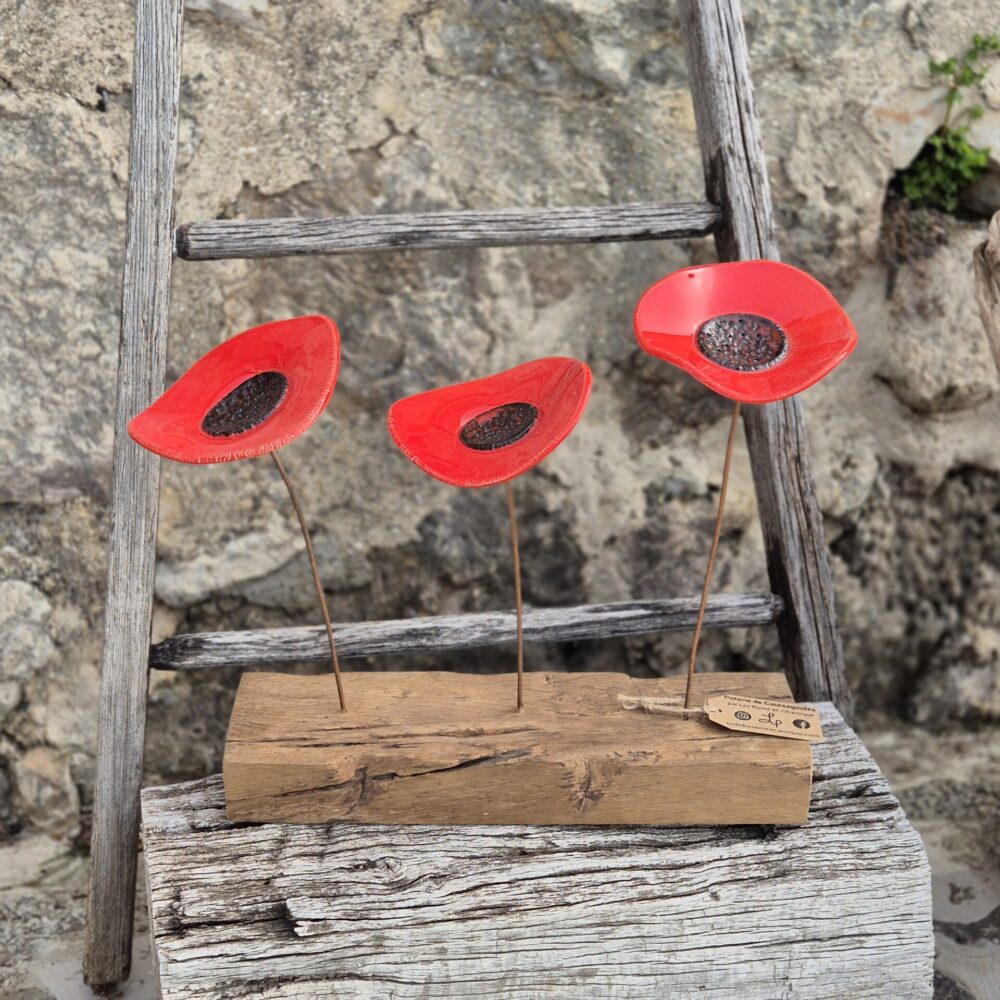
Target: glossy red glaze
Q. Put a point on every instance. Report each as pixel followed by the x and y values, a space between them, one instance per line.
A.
pixel 818 333
pixel 426 427
pixel 305 350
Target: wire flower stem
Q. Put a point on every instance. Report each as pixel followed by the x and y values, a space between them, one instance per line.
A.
pixel 315 574
pixel 709 568
pixel 516 558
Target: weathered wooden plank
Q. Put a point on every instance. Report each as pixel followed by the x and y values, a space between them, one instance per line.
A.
pixel 736 180
pixel 135 490
pixel 837 908
pixel 199 651
pixel 986 260
pixel 217 239
pixel 445 747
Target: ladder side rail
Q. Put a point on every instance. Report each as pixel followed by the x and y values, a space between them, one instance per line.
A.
pixel 134 491
pixel 736 181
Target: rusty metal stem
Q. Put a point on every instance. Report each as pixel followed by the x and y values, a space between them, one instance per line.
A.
pixel 696 638
pixel 516 558
pixel 315 575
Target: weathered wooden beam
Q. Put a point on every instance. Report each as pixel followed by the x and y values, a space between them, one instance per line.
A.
pixel 199 651
pixel 446 747
pixel 736 180
pixel 838 907
pixel 986 260
pixel 218 239
pixel 134 490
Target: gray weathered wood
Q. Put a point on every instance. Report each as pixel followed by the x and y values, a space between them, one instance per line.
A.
pixel 198 651
pixel 736 180
pixel 839 908
pixel 135 487
pixel 221 238
pixel 986 260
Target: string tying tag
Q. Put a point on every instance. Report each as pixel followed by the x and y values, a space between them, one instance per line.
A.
pixel 659 706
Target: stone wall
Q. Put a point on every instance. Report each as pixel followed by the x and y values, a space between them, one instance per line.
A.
pixel 328 107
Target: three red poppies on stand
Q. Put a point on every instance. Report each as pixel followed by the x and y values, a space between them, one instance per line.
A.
pixel 753 331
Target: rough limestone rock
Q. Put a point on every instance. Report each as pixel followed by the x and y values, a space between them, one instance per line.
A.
pixel 329 107
pixel 940 360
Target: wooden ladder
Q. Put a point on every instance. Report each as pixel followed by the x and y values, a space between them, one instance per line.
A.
pixel 738 213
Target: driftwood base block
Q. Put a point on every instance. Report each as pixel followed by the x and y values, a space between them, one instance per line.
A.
pixel 449 748
pixel 836 909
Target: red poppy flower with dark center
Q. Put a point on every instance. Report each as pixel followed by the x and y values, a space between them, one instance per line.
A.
pixel 250 395
pixel 492 429
pixel 754 331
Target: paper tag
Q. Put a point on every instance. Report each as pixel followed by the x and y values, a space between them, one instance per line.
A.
pixel 768 718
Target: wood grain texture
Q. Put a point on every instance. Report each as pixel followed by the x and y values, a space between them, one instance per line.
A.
pixel 438 747
pixel 268 647
pixel 736 180
pixel 986 260
pixel 218 239
pixel 135 491
pixel 838 909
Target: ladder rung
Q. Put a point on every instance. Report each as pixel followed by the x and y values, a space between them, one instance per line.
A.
pixel 223 238
pixel 414 635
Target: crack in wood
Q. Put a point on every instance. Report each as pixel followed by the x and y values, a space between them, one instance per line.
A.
pixel 365 782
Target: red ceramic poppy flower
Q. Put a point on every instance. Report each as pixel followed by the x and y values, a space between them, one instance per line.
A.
pixel 492 429
pixel 250 395
pixel 755 331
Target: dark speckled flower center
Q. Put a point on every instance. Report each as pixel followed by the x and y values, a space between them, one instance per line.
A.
pixel 498 427
pixel 248 405
pixel 742 342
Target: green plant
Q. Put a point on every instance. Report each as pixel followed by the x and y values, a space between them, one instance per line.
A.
pixel 948 162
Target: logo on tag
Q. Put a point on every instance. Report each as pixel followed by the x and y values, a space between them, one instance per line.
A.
pixel 768 718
